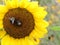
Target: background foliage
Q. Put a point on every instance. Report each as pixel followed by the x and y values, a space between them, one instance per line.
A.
pixel 53 17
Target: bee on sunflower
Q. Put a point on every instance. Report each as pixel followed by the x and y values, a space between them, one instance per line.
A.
pixel 21 22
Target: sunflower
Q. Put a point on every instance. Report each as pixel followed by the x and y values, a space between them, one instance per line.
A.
pixel 21 22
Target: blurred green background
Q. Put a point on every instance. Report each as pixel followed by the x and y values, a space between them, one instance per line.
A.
pixel 53 17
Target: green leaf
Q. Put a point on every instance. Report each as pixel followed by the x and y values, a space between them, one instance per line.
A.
pixel 55 28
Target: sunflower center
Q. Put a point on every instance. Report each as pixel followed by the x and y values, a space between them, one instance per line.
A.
pixel 18 22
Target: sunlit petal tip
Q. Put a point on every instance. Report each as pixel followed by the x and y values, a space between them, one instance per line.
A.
pixel 11 3
pixel 2 34
pixel 3 9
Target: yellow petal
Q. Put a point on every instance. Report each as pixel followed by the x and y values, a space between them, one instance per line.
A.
pixel 6 40
pixel 41 30
pixel 2 33
pixel 39 13
pixel 23 4
pixel 1 16
pixel 36 34
pixel 41 23
pixel 11 3
pixel 29 41
pixel 3 9
pixel 13 41
pixel 21 41
pixel 35 40
pixel 32 6
pixel 1 24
